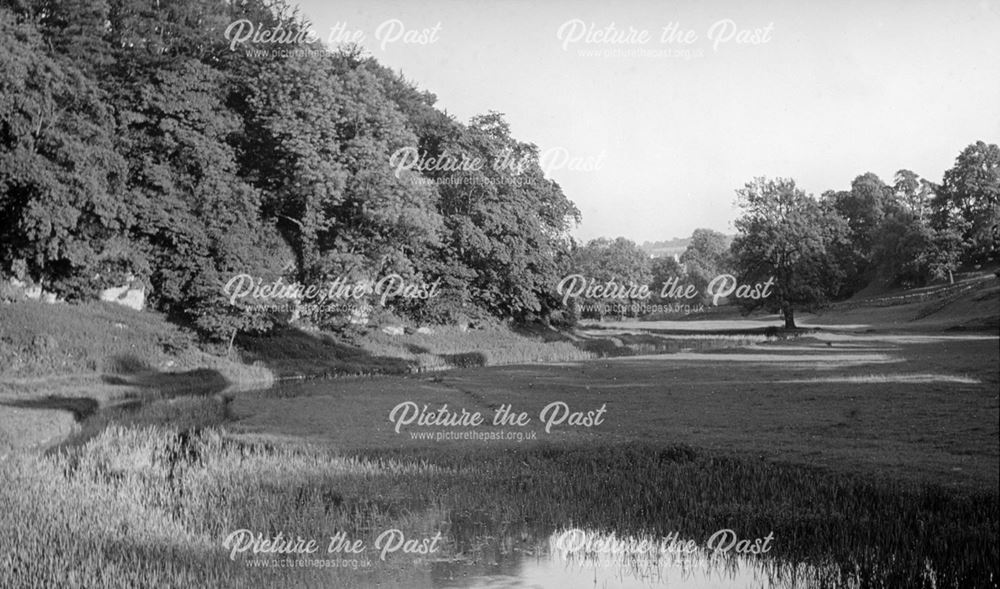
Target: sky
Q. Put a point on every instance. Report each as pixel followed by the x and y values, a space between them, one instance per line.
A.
pixel 652 113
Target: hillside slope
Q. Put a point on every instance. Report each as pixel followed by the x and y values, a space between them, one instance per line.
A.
pixel 971 304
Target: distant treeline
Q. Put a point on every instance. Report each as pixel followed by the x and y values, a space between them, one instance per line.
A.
pixel 136 142
pixel 907 233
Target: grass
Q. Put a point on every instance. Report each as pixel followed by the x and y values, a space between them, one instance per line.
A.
pixel 98 354
pixel 61 348
pixel 867 407
pixel 891 378
pixel 872 457
pixel 150 506
pixel 38 339
pixel 369 351
pixel 449 347
pixel 61 360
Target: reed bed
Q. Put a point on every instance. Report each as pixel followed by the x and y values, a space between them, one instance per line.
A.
pixel 151 505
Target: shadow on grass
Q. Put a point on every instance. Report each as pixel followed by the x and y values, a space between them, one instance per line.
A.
pixel 201 381
pixel 139 383
pixel 186 400
pixel 293 352
pixel 415 349
pixel 539 331
pixel 80 407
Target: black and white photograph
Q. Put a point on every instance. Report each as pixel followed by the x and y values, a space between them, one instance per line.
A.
pixel 499 294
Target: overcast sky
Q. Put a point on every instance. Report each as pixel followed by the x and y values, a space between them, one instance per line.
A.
pixel 829 91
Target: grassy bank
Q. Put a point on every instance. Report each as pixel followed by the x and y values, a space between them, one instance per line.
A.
pixel 152 506
pixel 367 351
pixel 61 363
pixel 60 342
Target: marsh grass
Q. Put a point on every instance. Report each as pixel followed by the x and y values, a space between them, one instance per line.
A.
pixel 150 505
pixel 371 351
pixel 449 347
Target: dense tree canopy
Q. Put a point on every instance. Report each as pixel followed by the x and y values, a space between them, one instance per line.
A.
pixel 136 141
pixel 61 179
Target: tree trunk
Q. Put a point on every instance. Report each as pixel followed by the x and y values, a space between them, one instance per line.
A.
pixel 789 314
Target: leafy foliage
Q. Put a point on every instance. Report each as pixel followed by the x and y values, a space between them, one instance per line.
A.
pixel 970 197
pixel 61 179
pixel 137 143
pixel 706 257
pixel 617 260
pixel 788 235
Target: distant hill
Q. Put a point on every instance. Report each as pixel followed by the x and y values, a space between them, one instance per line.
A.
pixel 670 247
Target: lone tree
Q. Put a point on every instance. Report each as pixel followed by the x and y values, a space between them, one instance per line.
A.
pixel 786 234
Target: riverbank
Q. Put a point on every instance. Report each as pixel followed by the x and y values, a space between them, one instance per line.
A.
pixel 61 363
pixel 870 454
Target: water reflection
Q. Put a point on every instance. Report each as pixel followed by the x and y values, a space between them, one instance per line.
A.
pixel 702 570
pixel 621 563
pixel 500 561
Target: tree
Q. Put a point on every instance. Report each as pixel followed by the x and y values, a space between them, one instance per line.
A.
pixel 945 253
pixel 135 141
pixel 619 260
pixel 506 223
pixel 913 192
pixel 61 181
pixel 788 235
pixel 321 134
pixel 197 219
pixel 970 195
pixel 901 253
pixel 908 250
pixel 706 257
pixel 663 269
pixel 864 207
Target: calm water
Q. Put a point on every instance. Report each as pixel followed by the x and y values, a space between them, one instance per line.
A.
pixel 554 571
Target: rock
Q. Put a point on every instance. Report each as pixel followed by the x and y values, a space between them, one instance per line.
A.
pixel 133 298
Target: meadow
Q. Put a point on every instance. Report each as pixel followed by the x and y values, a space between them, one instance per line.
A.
pixel 870 456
